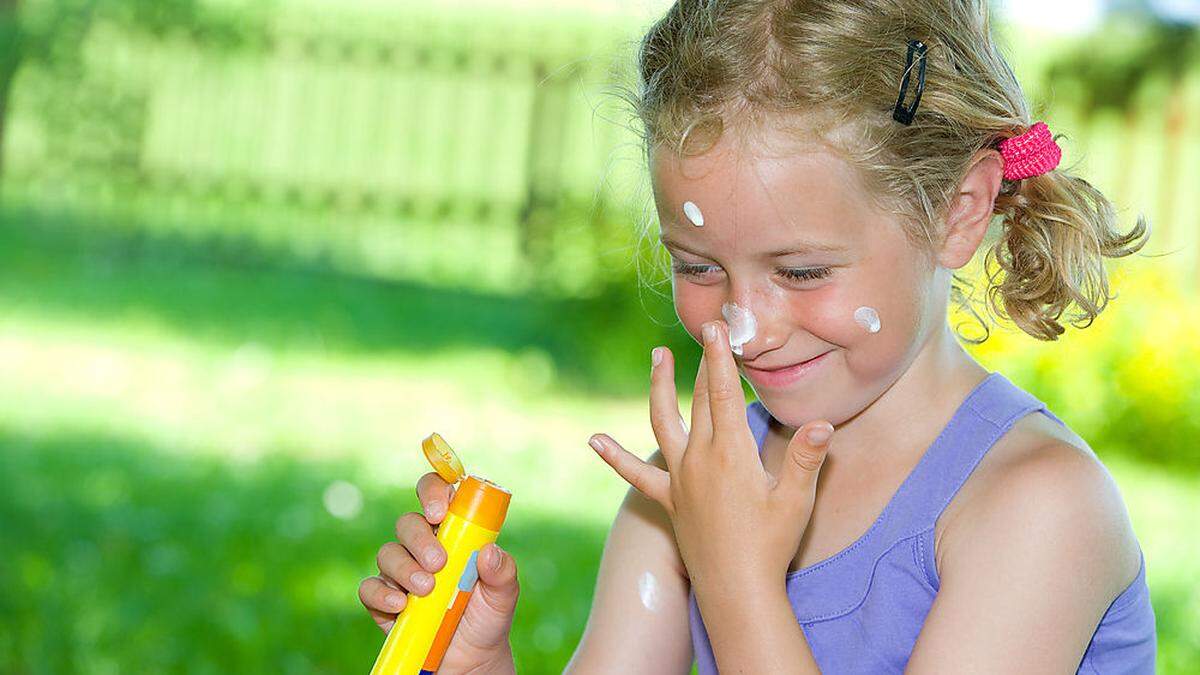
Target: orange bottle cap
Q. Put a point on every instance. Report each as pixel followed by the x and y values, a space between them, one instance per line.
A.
pixel 482 502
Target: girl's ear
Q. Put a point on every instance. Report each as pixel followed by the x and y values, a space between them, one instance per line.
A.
pixel 971 209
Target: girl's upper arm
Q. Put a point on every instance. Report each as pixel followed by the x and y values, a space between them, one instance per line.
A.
pixel 1048 548
pixel 639 617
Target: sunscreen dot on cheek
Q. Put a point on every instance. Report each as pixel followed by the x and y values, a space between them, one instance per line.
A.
pixel 868 318
pixel 693 213
pixel 742 325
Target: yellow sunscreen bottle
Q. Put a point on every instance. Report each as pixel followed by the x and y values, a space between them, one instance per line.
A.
pixel 419 638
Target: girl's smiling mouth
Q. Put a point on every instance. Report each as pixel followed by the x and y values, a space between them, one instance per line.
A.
pixel 786 375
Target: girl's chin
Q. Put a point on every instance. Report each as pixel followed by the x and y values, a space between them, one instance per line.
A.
pixel 803 402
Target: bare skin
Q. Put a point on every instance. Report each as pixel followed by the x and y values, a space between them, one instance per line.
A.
pixel 887 394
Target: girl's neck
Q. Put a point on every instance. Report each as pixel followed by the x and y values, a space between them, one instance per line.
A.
pixel 905 418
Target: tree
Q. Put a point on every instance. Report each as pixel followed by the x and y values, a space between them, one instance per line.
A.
pixel 10 48
pixel 52 32
pixel 1109 71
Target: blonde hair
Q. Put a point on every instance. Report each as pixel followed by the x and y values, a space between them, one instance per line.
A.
pixel 708 66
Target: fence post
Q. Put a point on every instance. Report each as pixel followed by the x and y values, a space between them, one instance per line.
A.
pixel 543 166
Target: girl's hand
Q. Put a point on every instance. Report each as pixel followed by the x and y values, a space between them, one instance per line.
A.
pixel 734 522
pixel 407 566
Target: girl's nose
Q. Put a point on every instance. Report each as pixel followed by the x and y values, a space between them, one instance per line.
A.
pixel 762 332
pixel 743 325
pixel 764 341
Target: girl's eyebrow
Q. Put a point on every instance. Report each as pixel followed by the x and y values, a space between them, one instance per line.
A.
pixel 800 248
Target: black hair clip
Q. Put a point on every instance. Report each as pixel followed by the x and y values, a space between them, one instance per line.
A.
pixel 902 114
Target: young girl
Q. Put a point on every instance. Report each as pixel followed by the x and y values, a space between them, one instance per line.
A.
pixel 820 169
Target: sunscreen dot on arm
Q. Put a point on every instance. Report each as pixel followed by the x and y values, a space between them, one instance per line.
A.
pixel 648 591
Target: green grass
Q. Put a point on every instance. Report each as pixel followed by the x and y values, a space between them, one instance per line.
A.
pixel 227 293
pixel 119 557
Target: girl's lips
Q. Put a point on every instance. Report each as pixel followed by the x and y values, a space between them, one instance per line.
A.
pixel 785 376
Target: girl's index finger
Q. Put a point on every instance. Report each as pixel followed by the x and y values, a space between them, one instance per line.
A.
pixel 727 403
pixel 665 419
pixel 434 494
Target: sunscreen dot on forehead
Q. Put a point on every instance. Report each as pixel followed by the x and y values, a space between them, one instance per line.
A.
pixel 693 213
pixel 868 318
pixel 742 325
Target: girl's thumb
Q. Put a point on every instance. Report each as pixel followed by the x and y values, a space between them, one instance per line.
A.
pixel 498 585
pixel 806 453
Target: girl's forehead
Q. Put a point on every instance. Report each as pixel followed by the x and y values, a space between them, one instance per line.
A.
pixel 761 200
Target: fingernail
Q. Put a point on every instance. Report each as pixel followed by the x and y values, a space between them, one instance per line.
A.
pixel 656 356
pixel 437 510
pixel 432 557
pixel 497 557
pixel 422 580
pixel 710 332
pixel 596 444
pixel 820 435
pixel 394 600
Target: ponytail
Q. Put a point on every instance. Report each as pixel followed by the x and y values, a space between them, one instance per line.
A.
pixel 1049 260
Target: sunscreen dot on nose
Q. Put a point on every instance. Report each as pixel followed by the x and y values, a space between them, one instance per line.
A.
pixel 742 325
pixel 693 214
pixel 868 318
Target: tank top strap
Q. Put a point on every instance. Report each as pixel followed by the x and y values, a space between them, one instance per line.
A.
pixel 981 419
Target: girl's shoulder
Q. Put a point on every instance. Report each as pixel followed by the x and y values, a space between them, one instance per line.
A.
pixel 1042 486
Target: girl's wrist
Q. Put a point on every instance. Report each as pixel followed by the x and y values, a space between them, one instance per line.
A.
pixel 500 664
pixel 735 584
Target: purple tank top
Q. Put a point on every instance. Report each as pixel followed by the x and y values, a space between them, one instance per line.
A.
pixel 862 608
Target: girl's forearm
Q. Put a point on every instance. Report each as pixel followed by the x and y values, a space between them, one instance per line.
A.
pixel 755 631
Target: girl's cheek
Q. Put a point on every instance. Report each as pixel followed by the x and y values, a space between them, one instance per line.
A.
pixel 694 305
pixel 878 355
pixel 822 312
pixel 830 315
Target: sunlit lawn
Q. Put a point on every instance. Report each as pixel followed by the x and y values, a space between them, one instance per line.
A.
pixel 220 507
pixel 208 502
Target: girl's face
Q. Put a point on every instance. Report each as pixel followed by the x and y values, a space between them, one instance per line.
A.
pixel 793 238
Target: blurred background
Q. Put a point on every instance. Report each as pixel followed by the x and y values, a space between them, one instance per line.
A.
pixel 252 252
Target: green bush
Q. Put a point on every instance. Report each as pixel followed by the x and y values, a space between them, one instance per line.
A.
pixel 1130 383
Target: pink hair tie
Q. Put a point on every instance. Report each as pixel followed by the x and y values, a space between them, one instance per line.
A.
pixel 1033 153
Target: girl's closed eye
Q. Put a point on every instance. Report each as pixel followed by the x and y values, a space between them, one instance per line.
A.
pixel 691 269
pixel 806 273
pixel 793 273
